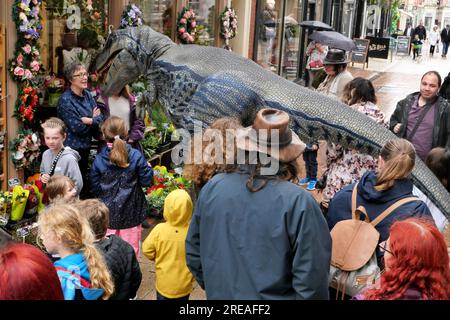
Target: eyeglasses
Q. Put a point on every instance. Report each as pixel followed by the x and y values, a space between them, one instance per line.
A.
pixel 81 75
pixel 382 246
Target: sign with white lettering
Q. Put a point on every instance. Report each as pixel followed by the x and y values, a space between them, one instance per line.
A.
pixel 379 47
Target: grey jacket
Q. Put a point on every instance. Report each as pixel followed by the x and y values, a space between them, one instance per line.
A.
pixel 270 244
pixel 441 130
pixel 67 165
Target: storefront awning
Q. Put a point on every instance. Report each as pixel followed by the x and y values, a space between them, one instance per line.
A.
pixel 405 13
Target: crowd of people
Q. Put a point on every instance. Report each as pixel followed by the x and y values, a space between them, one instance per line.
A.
pixel 418 36
pixel 247 234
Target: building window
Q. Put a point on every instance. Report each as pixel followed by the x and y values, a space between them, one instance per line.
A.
pixel 158 14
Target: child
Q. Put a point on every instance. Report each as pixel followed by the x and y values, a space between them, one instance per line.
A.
pixel 166 246
pixel 61 188
pixel 59 160
pixel 417 46
pixel 118 175
pixel 310 158
pixel 81 269
pixel 118 254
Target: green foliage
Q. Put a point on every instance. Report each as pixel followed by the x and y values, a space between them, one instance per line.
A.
pixel 150 143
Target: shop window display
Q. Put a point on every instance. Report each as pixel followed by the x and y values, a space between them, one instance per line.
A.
pixel 158 14
pixel 206 17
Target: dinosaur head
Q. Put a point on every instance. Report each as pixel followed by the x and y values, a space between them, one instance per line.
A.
pixel 125 54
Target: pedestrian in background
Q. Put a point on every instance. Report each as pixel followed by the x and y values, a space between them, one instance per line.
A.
pixel 409 32
pixel 433 39
pixel 423 117
pixel 445 38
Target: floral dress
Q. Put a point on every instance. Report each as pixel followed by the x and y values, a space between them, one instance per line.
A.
pixel 346 166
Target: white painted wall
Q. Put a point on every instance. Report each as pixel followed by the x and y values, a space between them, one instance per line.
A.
pixel 240 44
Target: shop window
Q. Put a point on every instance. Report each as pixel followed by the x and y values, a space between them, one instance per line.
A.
pixel 206 16
pixel 271 37
pixel 73 31
pixel 158 14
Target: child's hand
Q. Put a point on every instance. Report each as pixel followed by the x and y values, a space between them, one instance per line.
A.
pixel 86 120
pixel 45 177
pixel 314 147
pixel 97 112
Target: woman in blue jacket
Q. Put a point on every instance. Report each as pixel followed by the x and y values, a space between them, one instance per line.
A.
pixel 118 175
pixel 378 190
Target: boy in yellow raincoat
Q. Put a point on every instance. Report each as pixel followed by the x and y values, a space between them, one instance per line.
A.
pixel 165 245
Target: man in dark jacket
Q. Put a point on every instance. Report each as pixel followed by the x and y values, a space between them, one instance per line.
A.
pixel 409 32
pixel 445 38
pixel 421 32
pixel 118 254
pixel 254 236
pixel 423 117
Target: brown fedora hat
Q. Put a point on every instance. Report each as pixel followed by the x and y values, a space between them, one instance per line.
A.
pixel 335 56
pixel 257 137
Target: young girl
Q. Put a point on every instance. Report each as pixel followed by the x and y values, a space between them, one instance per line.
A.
pixel 81 269
pixel 61 188
pixel 118 175
pixel 59 160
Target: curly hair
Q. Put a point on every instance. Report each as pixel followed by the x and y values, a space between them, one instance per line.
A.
pixel 419 260
pixel 202 170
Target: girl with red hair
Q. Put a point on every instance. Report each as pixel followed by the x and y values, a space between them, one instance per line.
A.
pixel 26 273
pixel 416 264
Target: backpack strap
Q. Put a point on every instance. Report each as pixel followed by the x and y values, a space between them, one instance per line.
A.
pixel 354 194
pixel 391 208
pixel 85 283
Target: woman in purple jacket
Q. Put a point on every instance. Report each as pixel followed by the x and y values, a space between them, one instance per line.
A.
pixel 124 107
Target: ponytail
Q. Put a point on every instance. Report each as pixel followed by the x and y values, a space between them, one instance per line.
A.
pixel 119 153
pixel 114 130
pixel 399 159
pixel 100 276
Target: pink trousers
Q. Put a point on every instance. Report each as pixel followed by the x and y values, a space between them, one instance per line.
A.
pixel 130 235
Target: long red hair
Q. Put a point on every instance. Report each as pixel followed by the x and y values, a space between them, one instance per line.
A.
pixel 420 261
pixel 26 273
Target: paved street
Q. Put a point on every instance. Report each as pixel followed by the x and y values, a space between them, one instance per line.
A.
pixel 392 80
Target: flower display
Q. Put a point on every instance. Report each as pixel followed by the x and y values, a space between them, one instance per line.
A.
pixel 26 104
pixel 228 23
pixel 27 65
pixel 27 17
pixel 186 25
pixel 131 17
pixel 163 183
pixel 24 149
pixel 54 84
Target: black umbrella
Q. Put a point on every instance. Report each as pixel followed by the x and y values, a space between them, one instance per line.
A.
pixel 333 39
pixel 314 24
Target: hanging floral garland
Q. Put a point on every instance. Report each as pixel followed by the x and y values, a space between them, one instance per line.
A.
pixel 228 25
pixel 186 25
pixel 25 69
pixel 131 17
pixel 24 149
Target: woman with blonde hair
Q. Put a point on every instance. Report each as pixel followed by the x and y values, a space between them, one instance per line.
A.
pixel 377 190
pixel 416 264
pixel 82 271
pixel 118 175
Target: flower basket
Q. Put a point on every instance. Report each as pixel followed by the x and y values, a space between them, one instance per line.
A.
pixel 53 98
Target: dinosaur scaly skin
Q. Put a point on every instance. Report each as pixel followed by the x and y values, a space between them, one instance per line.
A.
pixel 201 84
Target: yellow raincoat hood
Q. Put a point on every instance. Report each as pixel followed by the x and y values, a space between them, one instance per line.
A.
pixel 178 208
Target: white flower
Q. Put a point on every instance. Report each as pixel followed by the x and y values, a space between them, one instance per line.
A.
pixel 34 138
pixel 18 155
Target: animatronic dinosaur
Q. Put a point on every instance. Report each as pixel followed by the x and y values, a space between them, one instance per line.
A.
pixel 200 84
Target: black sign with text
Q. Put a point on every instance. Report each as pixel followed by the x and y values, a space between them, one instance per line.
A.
pixel 379 47
pixel 359 54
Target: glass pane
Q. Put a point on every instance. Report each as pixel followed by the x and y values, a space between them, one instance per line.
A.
pixel 267 39
pixel 291 39
pixel 73 30
pixel 206 15
pixel 158 14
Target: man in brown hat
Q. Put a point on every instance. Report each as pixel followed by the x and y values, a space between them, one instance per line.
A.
pixel 254 234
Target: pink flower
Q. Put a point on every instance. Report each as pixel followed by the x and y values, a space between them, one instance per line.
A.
pixel 35 66
pixel 27 49
pixel 190 38
pixel 19 59
pixel 185 35
pixel 181 30
pixel 187 14
pixel 18 71
pixel 35 2
pixel 28 74
pixel 193 24
pixel 183 21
